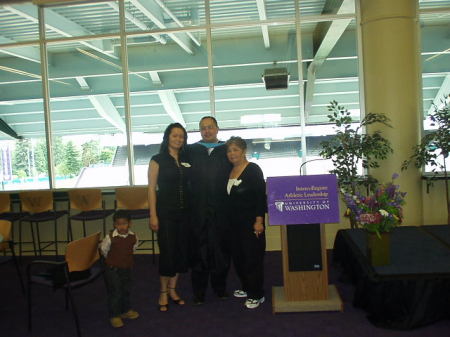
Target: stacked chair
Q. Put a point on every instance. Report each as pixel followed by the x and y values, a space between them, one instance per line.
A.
pixel 41 206
pixel 7 244
pixel 90 203
pixel 6 212
pixel 134 199
pixel 77 270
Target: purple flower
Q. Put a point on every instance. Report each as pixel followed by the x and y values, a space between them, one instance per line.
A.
pixel 380 210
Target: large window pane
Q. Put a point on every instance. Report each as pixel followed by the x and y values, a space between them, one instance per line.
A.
pixel 158 14
pixel 247 73
pixel 87 111
pixel 22 140
pixel 80 19
pixel 167 84
pixel 229 11
pixel 435 68
pixel 18 23
pixel 330 73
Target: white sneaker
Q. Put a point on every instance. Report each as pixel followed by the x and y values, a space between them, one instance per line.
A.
pixel 240 293
pixel 254 303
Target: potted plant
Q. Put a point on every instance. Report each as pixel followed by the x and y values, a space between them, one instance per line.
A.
pixel 434 148
pixel 350 148
pixel 379 213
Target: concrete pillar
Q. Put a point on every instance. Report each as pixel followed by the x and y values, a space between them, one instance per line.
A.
pixel 392 85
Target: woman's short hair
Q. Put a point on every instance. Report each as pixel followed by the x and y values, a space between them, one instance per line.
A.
pixel 238 141
pixel 164 148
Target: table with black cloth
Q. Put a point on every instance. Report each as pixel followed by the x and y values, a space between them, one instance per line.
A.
pixel 414 289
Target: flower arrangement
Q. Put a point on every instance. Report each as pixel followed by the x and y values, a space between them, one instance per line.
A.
pixel 380 211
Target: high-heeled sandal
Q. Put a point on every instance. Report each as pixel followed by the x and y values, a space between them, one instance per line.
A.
pixel 178 301
pixel 164 307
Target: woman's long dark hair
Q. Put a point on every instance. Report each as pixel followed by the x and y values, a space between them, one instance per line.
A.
pixel 164 148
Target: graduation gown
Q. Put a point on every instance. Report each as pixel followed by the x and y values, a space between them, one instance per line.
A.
pixel 209 228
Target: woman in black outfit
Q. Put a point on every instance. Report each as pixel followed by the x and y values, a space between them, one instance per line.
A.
pixel 167 191
pixel 247 207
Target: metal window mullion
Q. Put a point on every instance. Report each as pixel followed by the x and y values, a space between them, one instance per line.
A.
pixel 212 95
pixel 46 95
pixel 359 41
pixel 300 83
pixel 276 21
pixel 126 92
pixel 360 55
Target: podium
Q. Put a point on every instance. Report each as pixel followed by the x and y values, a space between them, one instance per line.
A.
pixel 302 214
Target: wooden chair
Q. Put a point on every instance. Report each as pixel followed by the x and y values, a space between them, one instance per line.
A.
pixel 134 199
pixel 91 204
pixel 41 207
pixel 5 244
pixel 78 270
pixel 6 212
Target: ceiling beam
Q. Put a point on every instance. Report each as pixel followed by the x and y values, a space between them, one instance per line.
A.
pixel 82 83
pixel 171 106
pixel 262 16
pixel 153 11
pixel 175 19
pixel 107 110
pixel 59 24
pixel 5 128
pixel 155 77
pixel 325 39
pixel 442 94
pixel 138 23
pixel 25 52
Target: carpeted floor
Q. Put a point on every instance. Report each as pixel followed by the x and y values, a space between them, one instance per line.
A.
pixel 215 318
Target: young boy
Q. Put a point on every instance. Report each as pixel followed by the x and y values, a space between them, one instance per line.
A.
pixel 117 248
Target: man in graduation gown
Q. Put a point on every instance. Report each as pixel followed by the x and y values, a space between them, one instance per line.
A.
pixel 209 230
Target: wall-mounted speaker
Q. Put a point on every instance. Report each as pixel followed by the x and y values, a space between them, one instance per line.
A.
pixel 276 78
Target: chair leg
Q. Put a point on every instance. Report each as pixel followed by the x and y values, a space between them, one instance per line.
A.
pixel 29 297
pixel 12 230
pixel 104 227
pixel 20 239
pixel 74 311
pixel 69 231
pixel 38 238
pixel 84 228
pixel 153 247
pixel 56 236
pixel 33 240
pixel 11 245
pixel 66 299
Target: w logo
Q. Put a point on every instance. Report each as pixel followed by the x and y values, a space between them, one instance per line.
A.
pixel 279 205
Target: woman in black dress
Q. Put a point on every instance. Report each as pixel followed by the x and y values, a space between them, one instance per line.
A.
pixel 247 207
pixel 167 191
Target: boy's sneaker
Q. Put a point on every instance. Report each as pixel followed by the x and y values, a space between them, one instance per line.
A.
pixel 254 303
pixel 116 322
pixel 130 314
pixel 240 293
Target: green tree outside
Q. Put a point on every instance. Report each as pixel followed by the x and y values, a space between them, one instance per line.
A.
pixel 107 154
pixel 21 158
pixel 72 163
pixel 58 155
pixel 90 153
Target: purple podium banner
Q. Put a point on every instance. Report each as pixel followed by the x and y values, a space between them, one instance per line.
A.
pixel 303 199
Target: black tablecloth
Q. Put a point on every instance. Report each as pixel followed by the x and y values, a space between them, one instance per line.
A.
pixel 414 289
